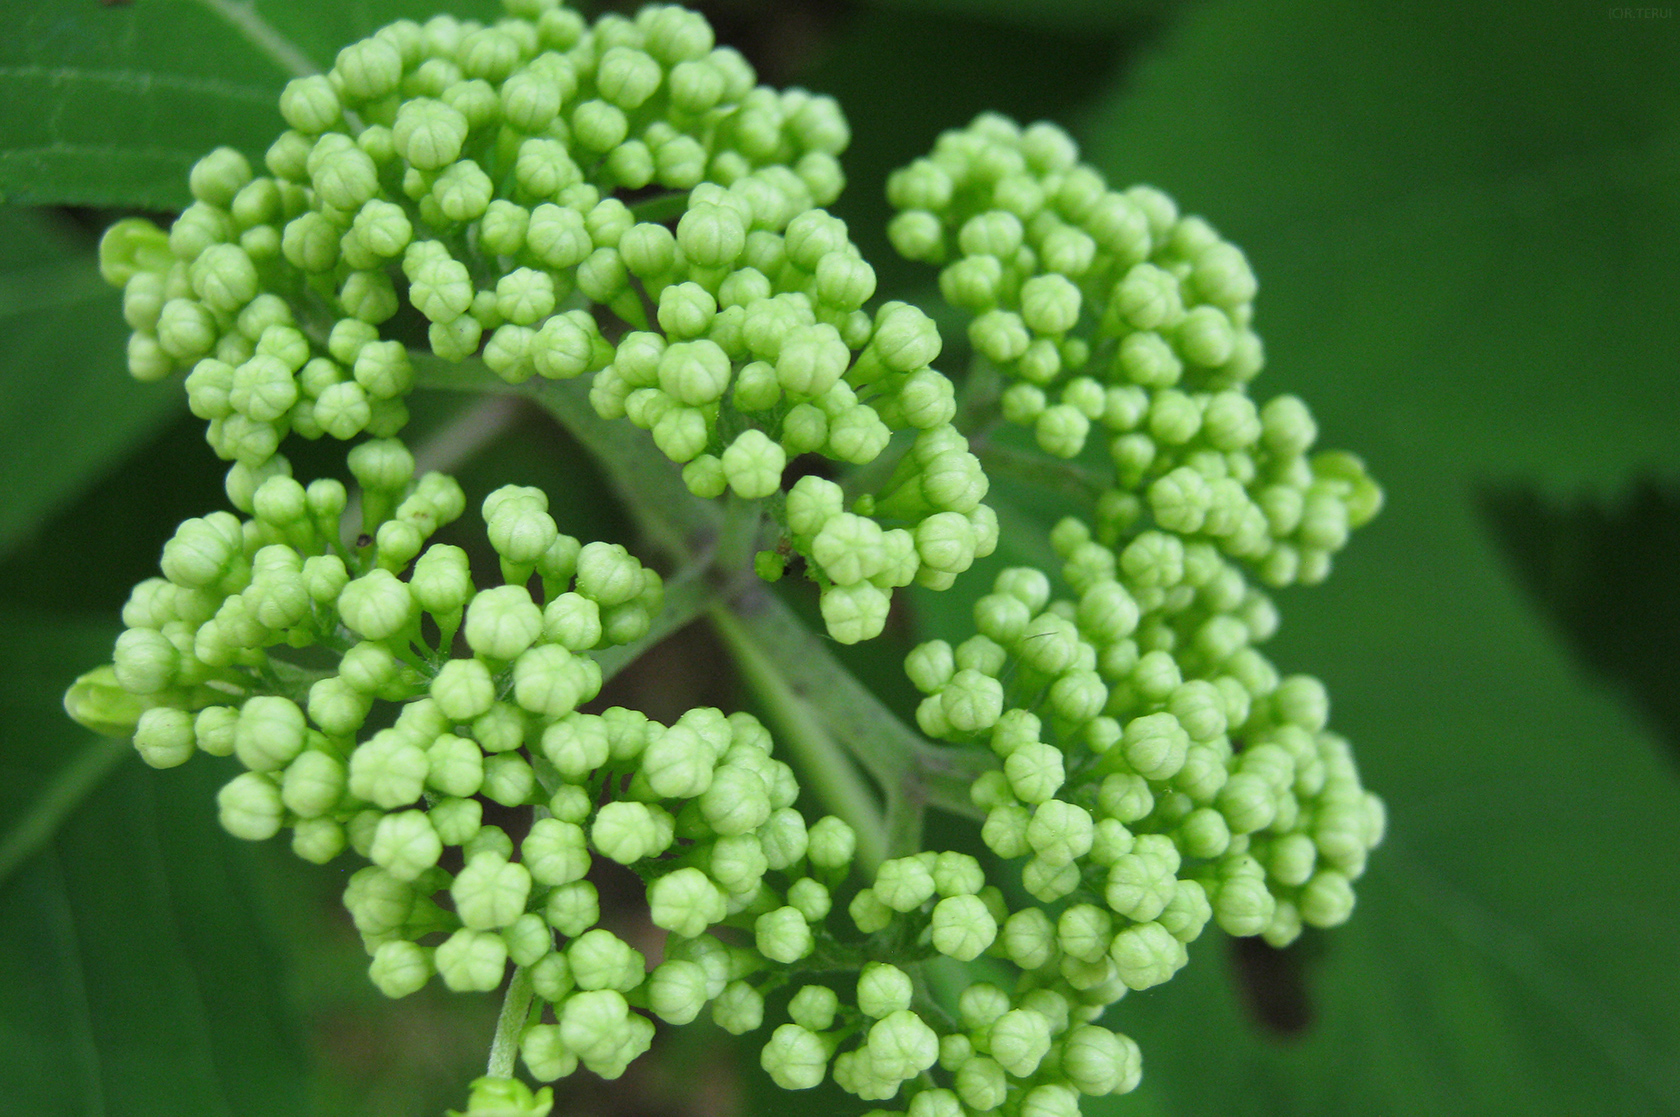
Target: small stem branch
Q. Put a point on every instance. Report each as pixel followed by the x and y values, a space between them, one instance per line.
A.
pixel 648 483
pixel 905 807
pixel 826 768
pixel 738 541
pixel 1057 476
pixel 510 1024
pixel 977 396
pixel 945 775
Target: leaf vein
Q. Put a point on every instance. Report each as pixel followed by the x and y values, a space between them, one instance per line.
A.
pixel 243 17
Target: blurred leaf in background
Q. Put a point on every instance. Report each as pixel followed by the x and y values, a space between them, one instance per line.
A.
pixel 1466 224
pixel 1606 571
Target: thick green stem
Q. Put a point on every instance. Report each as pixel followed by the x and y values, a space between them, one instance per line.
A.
pixel 510 1024
pixel 823 764
pixel 898 757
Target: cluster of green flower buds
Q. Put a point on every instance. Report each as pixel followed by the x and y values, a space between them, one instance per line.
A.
pixel 1109 308
pixel 619 201
pixel 1153 761
pixel 1035 1050
pixel 193 669
pixel 478 175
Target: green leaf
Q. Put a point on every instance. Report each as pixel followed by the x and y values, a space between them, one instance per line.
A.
pixel 111 105
pixel 72 409
pixel 49 763
pixel 1466 228
pixel 136 976
pixel 1607 574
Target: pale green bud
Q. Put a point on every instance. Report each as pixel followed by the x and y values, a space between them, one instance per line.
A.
pixel 600 960
pixel 399 968
pixel 164 737
pixel 1035 772
pixel 1019 1040
pixel 508 780
pixel 309 104
pixel 694 372
pixel 855 613
pixel 598 126
pixel 471 960
pixel 962 927
pixel 739 1009
pixel 685 902
pixel 626 832
pixel 455 766
pixel 269 734
pixel 463 689
pixel 783 935
pixel 795 1058
pixel 249 807
pixel 904 883
pixel 737 862
pixel 389 770
pixel 405 845
pixel 814 1006
pixel 832 843
pixel 1147 955
pixel 711 236
pixel 557 237
pixel 528 939
pixel 1327 899
pixel 428 133
pixel 489 892
pixel 377 605
pixel 608 574
pixel 502 622
pixel 753 465
pixel 810 898
pixel 313 784
pixel 555 852
pixel 811 360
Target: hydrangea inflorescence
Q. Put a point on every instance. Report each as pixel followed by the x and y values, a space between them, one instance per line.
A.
pixel 619 202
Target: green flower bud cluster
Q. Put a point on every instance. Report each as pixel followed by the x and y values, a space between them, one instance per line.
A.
pixel 620 201
pixel 858 563
pixel 208 659
pixel 1109 312
pixel 1157 772
pixel 469 170
pixel 762 353
pixel 473 173
pixel 1037 1049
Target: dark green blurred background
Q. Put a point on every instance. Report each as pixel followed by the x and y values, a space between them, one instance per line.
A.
pixel 1466 222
